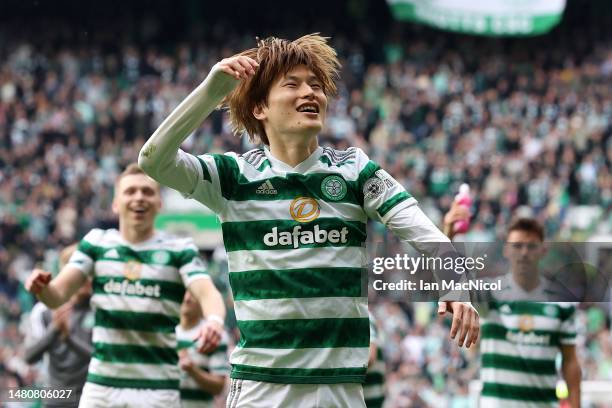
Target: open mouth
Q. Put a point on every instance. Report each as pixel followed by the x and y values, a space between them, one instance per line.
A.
pixel 311 108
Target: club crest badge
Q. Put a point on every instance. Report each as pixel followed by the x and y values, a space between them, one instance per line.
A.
pixel 334 188
pixel 161 257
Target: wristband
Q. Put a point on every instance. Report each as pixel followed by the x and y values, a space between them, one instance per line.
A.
pixel 216 318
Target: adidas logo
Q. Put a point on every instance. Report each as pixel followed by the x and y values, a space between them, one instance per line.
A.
pixel 111 253
pixel 266 188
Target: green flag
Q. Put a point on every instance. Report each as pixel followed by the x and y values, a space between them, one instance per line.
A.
pixel 483 17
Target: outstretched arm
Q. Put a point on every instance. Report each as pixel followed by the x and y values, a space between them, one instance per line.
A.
pixel 56 292
pixel 412 226
pixel 160 157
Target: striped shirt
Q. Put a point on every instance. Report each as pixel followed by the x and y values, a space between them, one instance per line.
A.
pixel 519 345
pixel 137 294
pixel 373 388
pixel 215 362
pixel 295 239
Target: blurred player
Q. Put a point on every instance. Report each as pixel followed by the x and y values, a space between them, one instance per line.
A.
pixel 64 336
pixel 139 279
pixel 294 224
pixel 520 338
pixel 202 375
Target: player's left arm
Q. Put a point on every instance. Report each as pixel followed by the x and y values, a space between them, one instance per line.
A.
pixel 570 368
pixel 213 310
pixel 412 226
pixel 387 201
pixel 196 279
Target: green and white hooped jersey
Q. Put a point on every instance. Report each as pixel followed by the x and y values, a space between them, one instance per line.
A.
pixel 137 294
pixel 520 342
pixel 295 239
pixel 215 362
pixel 374 386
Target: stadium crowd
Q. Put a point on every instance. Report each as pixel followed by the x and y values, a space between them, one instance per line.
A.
pixel 524 128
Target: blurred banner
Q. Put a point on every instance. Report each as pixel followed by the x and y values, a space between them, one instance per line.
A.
pixel 189 218
pixel 492 17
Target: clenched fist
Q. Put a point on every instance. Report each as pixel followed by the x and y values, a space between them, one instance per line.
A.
pixel 209 337
pixel 37 281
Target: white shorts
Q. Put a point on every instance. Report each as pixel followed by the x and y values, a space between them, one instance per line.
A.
pixel 257 394
pixel 101 396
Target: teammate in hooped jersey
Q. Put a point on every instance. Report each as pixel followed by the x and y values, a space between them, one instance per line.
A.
pixel 522 338
pixel 139 278
pixel 294 224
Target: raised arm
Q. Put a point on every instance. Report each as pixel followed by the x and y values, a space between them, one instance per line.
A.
pixel 160 157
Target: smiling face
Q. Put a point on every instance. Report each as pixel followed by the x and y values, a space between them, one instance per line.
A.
pixel 137 201
pixel 296 105
pixel 248 102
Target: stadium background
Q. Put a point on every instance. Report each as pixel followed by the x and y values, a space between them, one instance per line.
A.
pixel 526 121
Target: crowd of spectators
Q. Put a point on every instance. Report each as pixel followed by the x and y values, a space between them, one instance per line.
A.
pixel 526 124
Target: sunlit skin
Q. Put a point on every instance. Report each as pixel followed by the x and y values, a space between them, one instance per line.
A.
pixel 137 201
pixel 524 249
pixel 293 134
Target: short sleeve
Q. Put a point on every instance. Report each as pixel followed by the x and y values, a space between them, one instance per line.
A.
pixel 189 263
pixel 88 250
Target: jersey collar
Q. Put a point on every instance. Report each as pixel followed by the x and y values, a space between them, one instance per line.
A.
pixel 279 165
